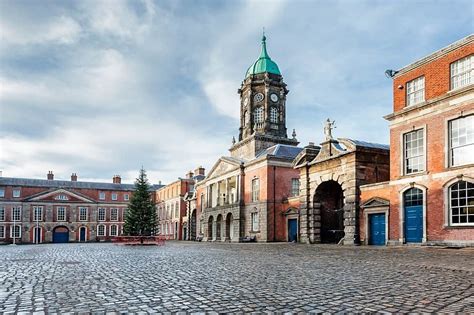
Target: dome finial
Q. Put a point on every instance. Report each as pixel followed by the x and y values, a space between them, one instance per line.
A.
pixel 263 35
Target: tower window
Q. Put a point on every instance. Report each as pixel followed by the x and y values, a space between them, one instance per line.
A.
pixel 258 117
pixel 274 115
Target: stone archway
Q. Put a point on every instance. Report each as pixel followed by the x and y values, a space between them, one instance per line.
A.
pixel 210 228
pixel 229 227
pixel 329 203
pixel 219 227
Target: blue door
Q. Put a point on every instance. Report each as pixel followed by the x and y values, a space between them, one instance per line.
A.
pixel 292 230
pixel 82 234
pixel 61 235
pixel 414 224
pixel 377 229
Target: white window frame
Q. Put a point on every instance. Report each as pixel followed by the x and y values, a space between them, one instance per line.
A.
pixel 415 91
pixel 404 151
pixel 2 213
pixel 15 227
pixel 114 196
pixel 450 207
pixel 105 229
pixel 35 211
pixel 450 140
pixel 114 214
pixel 86 216
pixel 57 214
pixel 116 230
pixel 101 195
pixel 16 190
pixel 2 231
pixel 2 192
pixel 295 190
pixel 255 190
pixel 273 115
pixel 461 72
pixel 258 117
pixel 14 214
pixel 255 221
pixel 101 214
pixel 126 197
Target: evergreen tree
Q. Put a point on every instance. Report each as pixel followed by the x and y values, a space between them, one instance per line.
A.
pixel 141 218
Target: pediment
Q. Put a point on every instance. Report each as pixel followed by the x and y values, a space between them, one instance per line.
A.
pixel 223 166
pixel 291 211
pixel 376 202
pixel 59 195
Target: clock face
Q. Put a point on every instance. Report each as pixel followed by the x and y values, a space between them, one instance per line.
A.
pixel 274 97
pixel 258 97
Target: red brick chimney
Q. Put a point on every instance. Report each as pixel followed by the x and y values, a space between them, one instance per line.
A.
pixel 117 179
pixel 200 171
pixel 50 175
pixel 73 177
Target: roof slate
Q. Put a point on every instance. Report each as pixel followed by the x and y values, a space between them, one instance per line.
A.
pixel 30 182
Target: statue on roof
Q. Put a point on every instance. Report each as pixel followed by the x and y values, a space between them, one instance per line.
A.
pixel 328 127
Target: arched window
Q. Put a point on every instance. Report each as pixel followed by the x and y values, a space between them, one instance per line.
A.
pixel 176 213
pixel 461 203
pixel 101 230
pixel 258 117
pixel 245 119
pixel 274 115
pixel 113 230
pixel 413 197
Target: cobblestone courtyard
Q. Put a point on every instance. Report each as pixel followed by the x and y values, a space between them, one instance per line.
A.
pixel 198 277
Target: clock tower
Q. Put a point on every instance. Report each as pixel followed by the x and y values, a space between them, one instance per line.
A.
pixel 262 108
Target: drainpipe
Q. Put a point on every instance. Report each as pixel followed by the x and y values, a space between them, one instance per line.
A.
pixel 274 204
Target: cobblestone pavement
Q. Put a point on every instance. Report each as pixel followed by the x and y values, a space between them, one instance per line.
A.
pixel 204 277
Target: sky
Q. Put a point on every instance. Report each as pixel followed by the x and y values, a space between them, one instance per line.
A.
pixel 100 88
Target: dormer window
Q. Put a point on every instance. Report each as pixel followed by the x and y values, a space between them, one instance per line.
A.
pixel 416 91
pixel 61 197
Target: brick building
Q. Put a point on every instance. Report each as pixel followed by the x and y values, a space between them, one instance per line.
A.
pixel 331 175
pixel 172 207
pixel 37 210
pixel 253 192
pixel 429 198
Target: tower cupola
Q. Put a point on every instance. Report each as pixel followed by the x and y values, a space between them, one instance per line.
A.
pixel 264 63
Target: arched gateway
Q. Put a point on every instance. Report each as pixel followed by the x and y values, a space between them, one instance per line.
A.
pixel 330 176
pixel 60 234
pixel 329 202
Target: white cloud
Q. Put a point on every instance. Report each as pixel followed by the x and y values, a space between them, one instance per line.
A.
pixel 60 30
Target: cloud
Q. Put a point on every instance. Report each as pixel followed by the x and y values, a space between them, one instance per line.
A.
pixel 104 87
pixel 59 30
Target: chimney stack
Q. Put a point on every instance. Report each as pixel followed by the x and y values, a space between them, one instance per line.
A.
pixel 117 179
pixel 159 182
pixel 200 171
pixel 190 175
pixel 50 175
pixel 73 177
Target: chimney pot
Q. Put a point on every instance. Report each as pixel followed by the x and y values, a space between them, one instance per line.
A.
pixel 50 175
pixel 73 177
pixel 117 179
pixel 200 171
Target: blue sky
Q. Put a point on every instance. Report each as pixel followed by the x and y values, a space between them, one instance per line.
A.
pixel 103 87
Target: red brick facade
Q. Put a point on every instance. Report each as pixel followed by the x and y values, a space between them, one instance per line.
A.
pixel 441 106
pixel 84 211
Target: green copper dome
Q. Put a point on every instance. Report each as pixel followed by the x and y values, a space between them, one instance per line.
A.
pixel 264 63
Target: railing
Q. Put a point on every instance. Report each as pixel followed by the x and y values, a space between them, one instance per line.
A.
pixel 140 240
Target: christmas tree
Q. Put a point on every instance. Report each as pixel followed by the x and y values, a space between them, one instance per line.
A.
pixel 141 218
